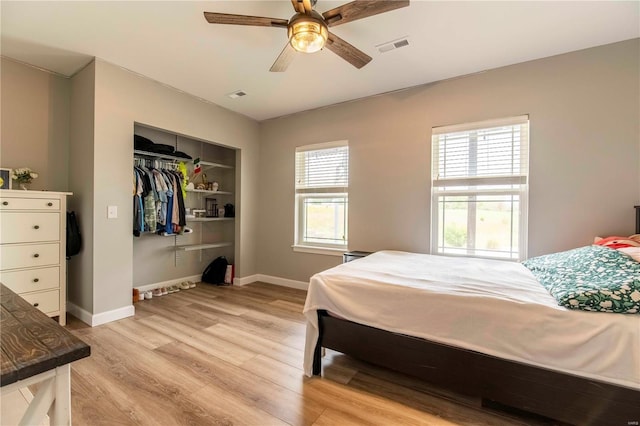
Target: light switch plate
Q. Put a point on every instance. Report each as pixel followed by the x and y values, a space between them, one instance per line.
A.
pixel 112 212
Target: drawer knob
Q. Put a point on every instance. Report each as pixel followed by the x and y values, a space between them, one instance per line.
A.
pixel 35 280
pixel 36 227
pixel 49 204
pixel 5 203
pixel 36 304
pixel 36 255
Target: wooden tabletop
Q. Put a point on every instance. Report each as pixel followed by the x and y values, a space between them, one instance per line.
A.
pixel 31 342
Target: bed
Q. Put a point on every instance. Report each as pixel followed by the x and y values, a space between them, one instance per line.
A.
pixel 480 327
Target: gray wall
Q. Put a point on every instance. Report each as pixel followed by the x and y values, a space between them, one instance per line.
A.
pixel 82 160
pixel 123 98
pixel 584 155
pixel 35 124
pixel 77 133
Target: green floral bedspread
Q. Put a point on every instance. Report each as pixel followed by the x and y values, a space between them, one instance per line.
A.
pixel 591 278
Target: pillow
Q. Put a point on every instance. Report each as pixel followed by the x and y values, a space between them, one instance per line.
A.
pixel 616 242
pixel 592 278
pixel 634 252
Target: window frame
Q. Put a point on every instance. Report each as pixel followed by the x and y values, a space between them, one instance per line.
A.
pixel 472 186
pixel 324 191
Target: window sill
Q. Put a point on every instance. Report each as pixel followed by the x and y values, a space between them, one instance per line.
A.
pixel 319 250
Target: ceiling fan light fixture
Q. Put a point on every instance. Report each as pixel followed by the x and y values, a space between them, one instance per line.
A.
pixel 307 33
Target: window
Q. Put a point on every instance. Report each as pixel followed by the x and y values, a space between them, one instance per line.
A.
pixel 322 182
pixel 480 189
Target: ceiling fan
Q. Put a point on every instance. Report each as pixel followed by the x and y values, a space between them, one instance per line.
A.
pixel 308 31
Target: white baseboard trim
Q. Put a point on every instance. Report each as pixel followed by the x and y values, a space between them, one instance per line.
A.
pixel 101 318
pixel 114 315
pixel 284 282
pixel 78 312
pixel 245 280
pixel 147 287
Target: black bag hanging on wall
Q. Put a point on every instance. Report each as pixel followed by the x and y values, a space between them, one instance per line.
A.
pixel 74 240
pixel 214 273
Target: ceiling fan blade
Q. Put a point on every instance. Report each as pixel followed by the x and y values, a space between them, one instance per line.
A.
pixel 297 6
pixel 359 9
pixel 258 21
pixel 302 6
pixel 284 59
pixel 346 51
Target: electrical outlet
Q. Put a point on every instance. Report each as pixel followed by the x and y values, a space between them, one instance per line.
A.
pixel 112 212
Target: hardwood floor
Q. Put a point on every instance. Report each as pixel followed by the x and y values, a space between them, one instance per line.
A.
pixel 233 355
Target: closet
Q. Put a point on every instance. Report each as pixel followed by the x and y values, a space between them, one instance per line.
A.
pixel 209 203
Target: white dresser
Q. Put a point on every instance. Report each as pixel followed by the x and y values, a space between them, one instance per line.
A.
pixel 33 248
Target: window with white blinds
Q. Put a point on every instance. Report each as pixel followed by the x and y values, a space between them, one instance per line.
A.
pixel 480 188
pixel 322 182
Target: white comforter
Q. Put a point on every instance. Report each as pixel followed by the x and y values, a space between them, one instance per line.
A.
pixel 494 307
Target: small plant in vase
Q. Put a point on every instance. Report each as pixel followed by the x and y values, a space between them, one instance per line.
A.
pixel 23 176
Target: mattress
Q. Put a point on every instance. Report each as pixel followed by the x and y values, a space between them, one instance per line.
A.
pixel 489 306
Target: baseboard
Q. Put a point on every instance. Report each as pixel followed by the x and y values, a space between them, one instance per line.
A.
pixel 114 315
pixel 245 280
pixel 284 282
pixel 78 312
pixel 147 287
pixel 128 311
pixel 101 318
pixel 239 281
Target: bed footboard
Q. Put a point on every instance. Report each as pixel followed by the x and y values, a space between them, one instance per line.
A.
pixel 560 396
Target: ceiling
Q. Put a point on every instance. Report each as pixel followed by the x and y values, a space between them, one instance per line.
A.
pixel 170 41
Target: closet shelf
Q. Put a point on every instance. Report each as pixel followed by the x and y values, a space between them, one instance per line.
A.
pixel 159 156
pixel 204 191
pixel 192 247
pixel 208 219
pixel 206 165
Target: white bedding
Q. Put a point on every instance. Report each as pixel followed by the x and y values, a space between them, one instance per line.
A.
pixel 494 307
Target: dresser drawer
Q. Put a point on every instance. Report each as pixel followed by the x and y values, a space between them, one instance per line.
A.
pixel 29 255
pixel 46 301
pixel 10 203
pixel 29 280
pixel 29 227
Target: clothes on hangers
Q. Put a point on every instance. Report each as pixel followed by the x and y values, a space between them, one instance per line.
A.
pixel 158 201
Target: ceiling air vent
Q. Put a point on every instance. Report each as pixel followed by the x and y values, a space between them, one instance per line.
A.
pixel 395 44
pixel 237 94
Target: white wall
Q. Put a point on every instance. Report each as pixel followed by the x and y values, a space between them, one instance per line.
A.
pixel 35 124
pixel 584 155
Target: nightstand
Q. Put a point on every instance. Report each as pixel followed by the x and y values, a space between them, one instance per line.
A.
pixel 353 255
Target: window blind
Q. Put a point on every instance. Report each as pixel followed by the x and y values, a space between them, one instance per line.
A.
pixel 322 169
pixel 462 155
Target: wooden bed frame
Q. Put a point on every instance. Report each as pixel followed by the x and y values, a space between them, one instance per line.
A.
pixel 559 396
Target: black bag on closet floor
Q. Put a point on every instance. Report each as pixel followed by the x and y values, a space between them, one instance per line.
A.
pixel 214 273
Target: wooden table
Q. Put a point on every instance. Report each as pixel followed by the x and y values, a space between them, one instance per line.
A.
pixel 35 349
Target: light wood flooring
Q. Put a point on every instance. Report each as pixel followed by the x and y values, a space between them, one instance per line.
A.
pixel 233 355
